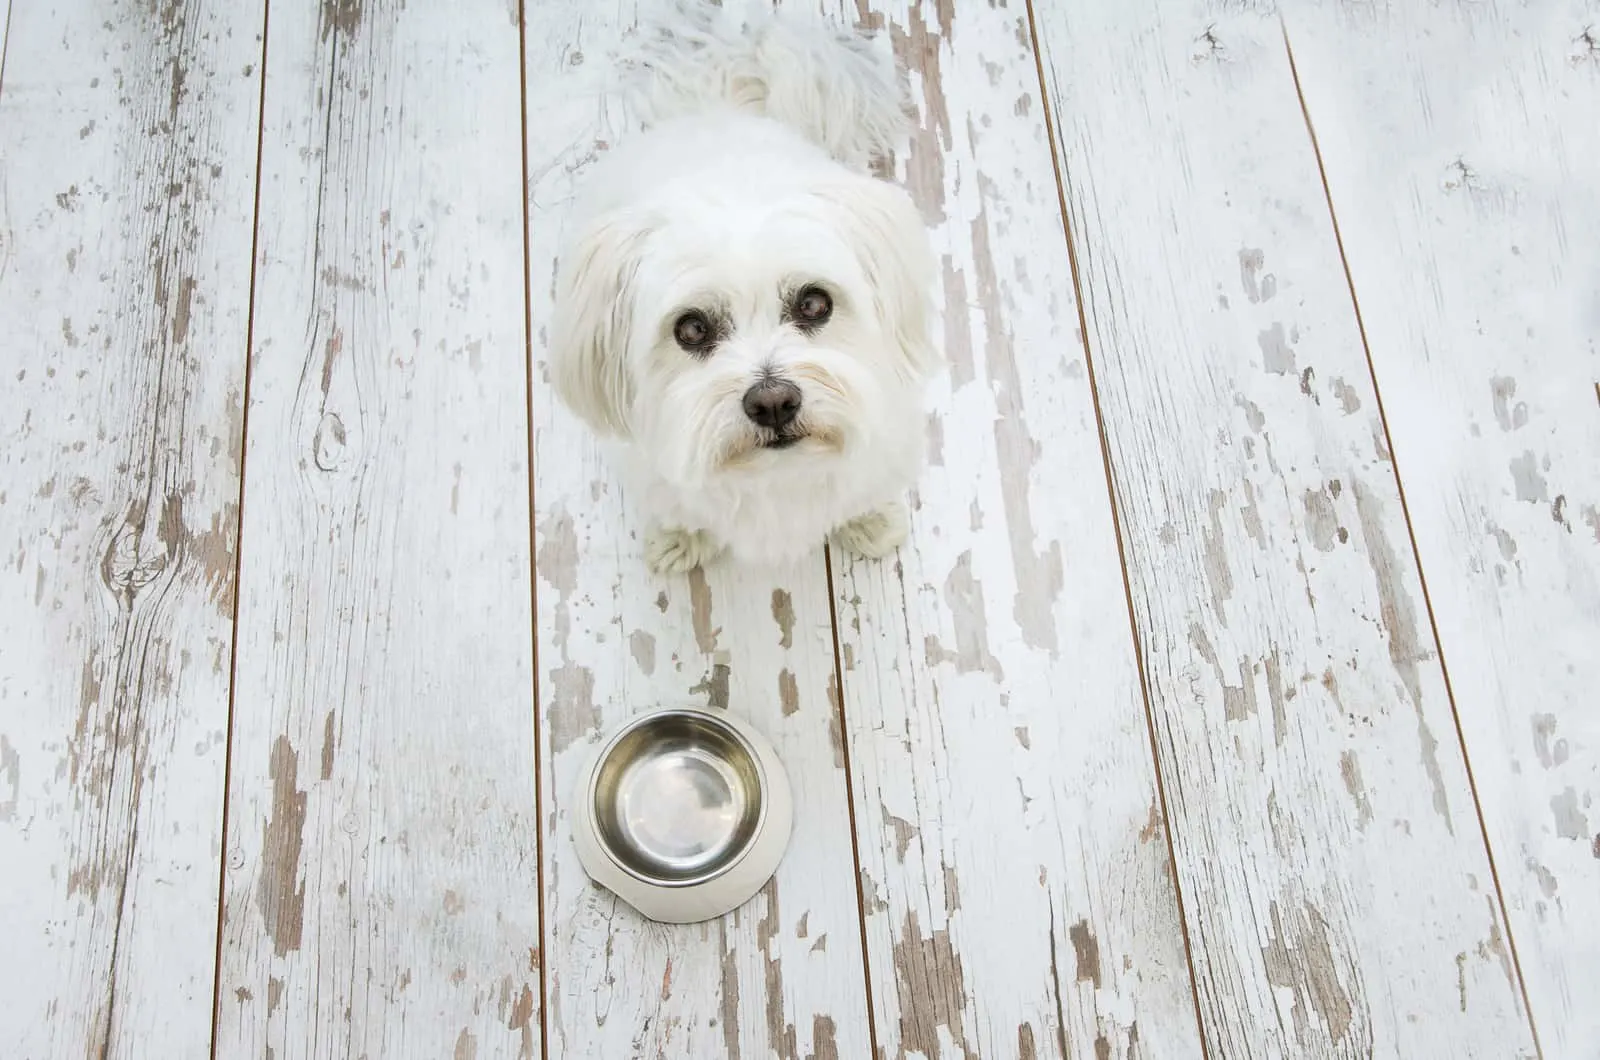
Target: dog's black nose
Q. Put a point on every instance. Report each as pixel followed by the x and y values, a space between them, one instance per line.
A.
pixel 772 403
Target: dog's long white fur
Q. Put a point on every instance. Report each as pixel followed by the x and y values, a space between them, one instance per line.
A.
pixel 832 85
pixel 748 183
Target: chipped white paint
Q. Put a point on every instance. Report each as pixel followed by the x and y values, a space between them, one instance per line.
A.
pixel 1015 866
pixel 783 975
pixel 381 892
pixel 127 160
pixel 1460 154
pixel 1338 895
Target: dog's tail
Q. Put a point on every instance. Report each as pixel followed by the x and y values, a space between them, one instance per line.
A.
pixel 832 84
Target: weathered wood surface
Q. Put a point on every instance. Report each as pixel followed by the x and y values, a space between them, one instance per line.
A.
pixel 381 890
pixel 1015 864
pixel 127 162
pixel 1461 155
pixel 783 976
pixel 1338 894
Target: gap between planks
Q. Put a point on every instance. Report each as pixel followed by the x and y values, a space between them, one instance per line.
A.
pixel 850 797
pixel 533 515
pixel 238 527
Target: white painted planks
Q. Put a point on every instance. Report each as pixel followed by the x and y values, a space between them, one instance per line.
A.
pixel 1460 154
pixel 782 976
pixel 127 163
pixel 381 895
pixel 1015 865
pixel 1338 895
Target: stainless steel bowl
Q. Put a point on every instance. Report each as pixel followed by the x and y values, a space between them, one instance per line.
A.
pixel 678 798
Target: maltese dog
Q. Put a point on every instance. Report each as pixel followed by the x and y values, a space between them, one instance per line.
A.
pixel 741 304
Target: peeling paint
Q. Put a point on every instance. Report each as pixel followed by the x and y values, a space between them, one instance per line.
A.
pixel 1219 576
pixel 1257 288
pixel 788 692
pixel 780 1032
pixel 1525 476
pixel 557 558
pixel 728 1007
pixel 931 990
pixel 522 1020
pixel 280 893
pixel 642 646
pixel 783 615
pixel 1322 520
pixel 824 1038
pixel 1570 821
pixel 957 335
pixel 963 595
pixel 1348 397
pixel 835 723
pixel 1299 957
pixel 1277 355
pixel 1510 416
pixel 1551 753
pixel 10 776
pixel 1087 950
pixel 1406 650
pixel 904 832
pixel 1350 772
pixel 705 637
pixel 573 713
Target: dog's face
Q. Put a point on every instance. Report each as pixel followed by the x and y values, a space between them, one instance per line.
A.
pixel 727 335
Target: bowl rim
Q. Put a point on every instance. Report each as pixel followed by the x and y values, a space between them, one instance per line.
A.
pixel 656 717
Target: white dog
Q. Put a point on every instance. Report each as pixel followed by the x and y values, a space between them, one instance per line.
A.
pixel 742 303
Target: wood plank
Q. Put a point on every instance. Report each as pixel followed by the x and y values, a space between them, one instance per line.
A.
pixel 127 171
pixel 1460 156
pixel 1338 895
pixel 381 896
pixel 783 975
pixel 1015 864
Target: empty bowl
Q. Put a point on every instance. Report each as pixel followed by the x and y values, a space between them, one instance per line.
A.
pixel 683 813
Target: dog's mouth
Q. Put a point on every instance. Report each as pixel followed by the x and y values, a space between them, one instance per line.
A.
pixel 816 439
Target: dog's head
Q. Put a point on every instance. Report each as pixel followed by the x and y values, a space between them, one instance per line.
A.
pixel 725 333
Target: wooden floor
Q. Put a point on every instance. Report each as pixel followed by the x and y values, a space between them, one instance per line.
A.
pixel 1237 694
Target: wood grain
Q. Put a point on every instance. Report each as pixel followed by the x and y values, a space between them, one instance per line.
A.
pixel 1460 155
pixel 1338 894
pixel 381 895
pixel 782 976
pixel 127 164
pixel 1015 864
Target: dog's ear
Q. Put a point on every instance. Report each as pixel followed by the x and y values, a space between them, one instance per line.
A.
pixel 589 334
pixel 892 245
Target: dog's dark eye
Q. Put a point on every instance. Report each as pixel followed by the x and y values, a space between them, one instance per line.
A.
pixel 812 307
pixel 692 331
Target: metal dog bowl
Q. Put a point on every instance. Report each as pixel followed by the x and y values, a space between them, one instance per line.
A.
pixel 684 814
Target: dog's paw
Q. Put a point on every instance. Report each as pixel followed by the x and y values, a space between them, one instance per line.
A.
pixel 674 550
pixel 874 534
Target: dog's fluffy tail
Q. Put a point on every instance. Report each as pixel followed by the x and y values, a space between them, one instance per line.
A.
pixel 832 84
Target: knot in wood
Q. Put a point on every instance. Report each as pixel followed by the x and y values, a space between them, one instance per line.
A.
pixel 330 449
pixel 135 558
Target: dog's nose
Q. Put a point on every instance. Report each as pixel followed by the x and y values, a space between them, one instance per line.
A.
pixel 772 403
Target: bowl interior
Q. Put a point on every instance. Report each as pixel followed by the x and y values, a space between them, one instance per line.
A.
pixel 678 798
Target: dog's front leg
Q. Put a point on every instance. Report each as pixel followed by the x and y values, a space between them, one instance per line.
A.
pixel 875 533
pixel 674 550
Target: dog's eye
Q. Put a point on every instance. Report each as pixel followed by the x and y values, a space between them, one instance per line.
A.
pixel 692 331
pixel 813 307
